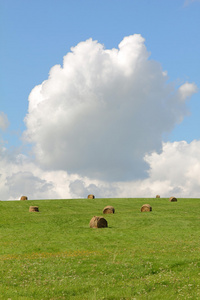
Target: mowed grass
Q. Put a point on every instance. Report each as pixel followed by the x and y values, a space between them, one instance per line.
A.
pixel 54 254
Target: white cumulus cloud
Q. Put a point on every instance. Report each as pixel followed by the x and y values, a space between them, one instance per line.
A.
pixel 100 113
pixel 178 166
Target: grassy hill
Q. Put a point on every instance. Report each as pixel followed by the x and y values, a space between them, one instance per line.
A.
pixel 54 254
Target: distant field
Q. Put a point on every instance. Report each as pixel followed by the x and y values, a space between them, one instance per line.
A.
pixel 53 254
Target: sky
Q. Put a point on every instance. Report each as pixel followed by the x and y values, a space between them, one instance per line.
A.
pixel 99 97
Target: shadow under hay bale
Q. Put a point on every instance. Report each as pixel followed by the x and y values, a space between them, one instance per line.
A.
pixel 146 207
pixel 157 196
pixel 23 198
pixel 33 209
pixel 98 222
pixel 172 199
pixel 91 196
pixel 108 210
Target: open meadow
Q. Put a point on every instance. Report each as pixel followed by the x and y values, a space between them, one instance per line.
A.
pixel 54 254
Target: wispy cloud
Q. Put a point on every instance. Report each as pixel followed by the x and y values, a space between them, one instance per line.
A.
pixel 188 2
pixel 3 121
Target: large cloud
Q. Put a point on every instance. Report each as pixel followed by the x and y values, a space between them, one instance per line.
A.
pixel 101 112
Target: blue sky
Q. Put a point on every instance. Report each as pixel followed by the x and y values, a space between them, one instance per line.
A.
pixel 36 35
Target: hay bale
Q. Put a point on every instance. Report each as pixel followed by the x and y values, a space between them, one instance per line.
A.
pixel 98 222
pixel 23 198
pixel 91 196
pixel 146 207
pixel 172 199
pixel 33 208
pixel 108 210
pixel 157 196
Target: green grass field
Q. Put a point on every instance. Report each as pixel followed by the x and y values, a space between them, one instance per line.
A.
pixel 53 254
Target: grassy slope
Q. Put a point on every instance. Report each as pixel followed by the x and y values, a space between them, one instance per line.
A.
pixel 54 254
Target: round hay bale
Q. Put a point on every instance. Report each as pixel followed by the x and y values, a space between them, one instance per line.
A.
pixel 172 199
pixel 108 210
pixel 157 196
pixel 33 208
pixel 146 207
pixel 98 222
pixel 23 198
pixel 91 196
